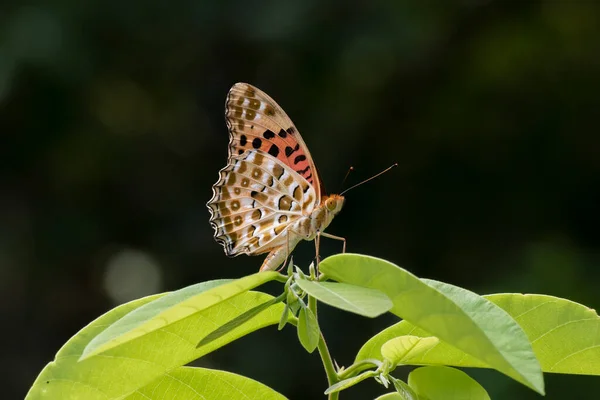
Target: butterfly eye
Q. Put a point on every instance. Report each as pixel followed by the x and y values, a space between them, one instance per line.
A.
pixel 330 205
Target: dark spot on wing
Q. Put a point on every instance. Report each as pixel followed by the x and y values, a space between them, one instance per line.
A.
pixel 269 134
pixel 282 133
pixel 289 150
pixel 299 158
pixel 274 150
pixel 256 143
pixel 269 110
pixel 303 171
pixel 243 140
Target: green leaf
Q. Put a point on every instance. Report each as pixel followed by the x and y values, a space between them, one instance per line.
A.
pixel 404 391
pixel 150 358
pixel 293 301
pixel 402 348
pixel 177 306
pixel 442 353
pixel 346 383
pixel 285 317
pixel 564 334
pixel 201 383
pixel 456 316
pixel 239 320
pixel 445 383
pixel 308 329
pixel 359 300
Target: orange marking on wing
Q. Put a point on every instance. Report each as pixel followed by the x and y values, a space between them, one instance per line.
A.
pixel 288 151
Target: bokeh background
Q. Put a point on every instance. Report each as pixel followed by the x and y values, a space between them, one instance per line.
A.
pixel 112 133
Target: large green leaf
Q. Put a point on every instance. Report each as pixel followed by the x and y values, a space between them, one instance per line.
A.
pixel 186 383
pixel 352 298
pixel 459 317
pixel 240 320
pixel 123 370
pixel 175 307
pixel 565 335
pixel 445 383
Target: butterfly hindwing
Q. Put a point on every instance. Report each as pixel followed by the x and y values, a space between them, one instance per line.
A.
pixel 256 122
pixel 255 200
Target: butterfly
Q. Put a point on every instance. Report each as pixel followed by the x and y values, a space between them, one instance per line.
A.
pixel 269 196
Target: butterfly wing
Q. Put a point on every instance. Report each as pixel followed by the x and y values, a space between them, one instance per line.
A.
pixel 256 199
pixel 255 121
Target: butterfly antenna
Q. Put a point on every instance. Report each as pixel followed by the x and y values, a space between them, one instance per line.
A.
pixel 373 177
pixel 346 177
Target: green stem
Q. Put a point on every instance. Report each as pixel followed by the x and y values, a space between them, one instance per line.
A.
pixel 359 367
pixel 332 376
pixel 312 305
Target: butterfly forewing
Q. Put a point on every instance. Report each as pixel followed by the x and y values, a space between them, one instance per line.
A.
pixel 256 122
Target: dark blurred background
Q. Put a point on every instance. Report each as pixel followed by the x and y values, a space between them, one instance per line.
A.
pixel 112 133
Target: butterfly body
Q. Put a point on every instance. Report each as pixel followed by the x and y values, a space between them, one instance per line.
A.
pixel 305 228
pixel 268 197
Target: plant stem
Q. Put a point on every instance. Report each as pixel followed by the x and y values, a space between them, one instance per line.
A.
pixel 332 376
pixel 359 367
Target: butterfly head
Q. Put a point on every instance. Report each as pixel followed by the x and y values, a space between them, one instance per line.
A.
pixel 334 203
pixel 322 216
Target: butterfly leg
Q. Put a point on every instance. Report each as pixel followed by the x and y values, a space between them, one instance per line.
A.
pixel 327 235
pixel 317 247
pixel 317 257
